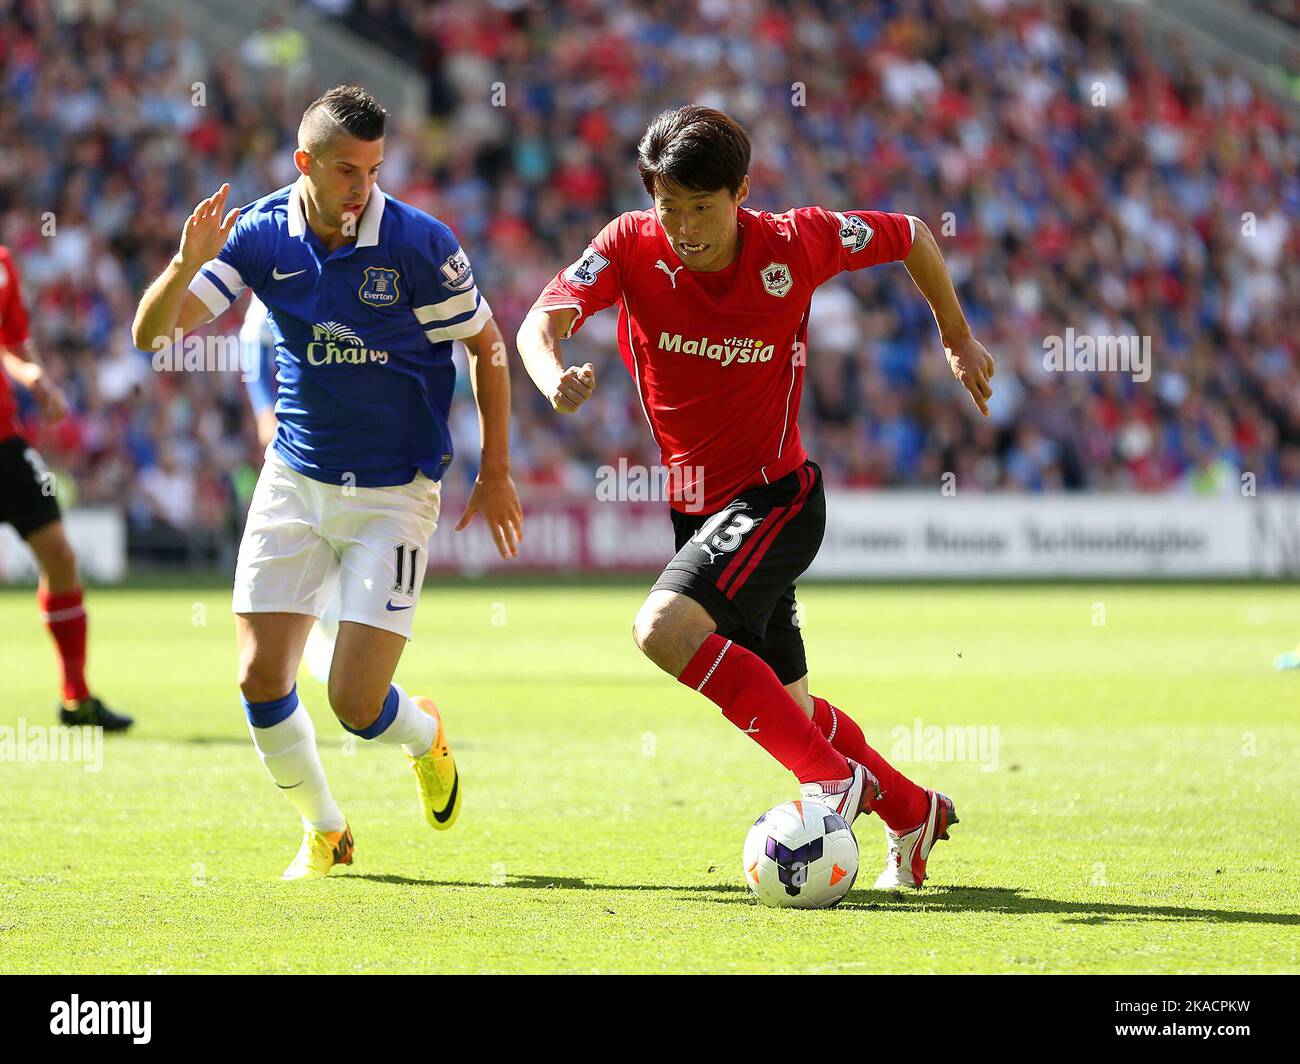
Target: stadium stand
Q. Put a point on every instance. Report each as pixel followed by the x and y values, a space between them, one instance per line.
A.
pixel 1163 208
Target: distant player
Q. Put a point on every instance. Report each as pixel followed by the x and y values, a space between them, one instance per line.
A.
pixel 366 295
pixel 713 303
pixel 27 502
pixel 257 347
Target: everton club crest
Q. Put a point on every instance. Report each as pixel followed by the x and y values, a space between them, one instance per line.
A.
pixel 379 289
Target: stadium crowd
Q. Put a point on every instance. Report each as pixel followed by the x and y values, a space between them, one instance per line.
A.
pixel 1077 181
pixel 1287 11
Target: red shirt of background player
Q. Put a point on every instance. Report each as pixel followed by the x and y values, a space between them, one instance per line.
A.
pixel 14 331
pixel 718 358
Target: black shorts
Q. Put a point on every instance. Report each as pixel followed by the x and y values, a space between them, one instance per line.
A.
pixel 741 563
pixel 26 488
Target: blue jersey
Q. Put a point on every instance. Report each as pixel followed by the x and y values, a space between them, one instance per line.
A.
pixel 362 334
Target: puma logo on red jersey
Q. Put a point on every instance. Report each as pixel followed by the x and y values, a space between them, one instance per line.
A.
pixel 672 274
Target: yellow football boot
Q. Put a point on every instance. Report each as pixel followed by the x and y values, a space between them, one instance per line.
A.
pixel 320 851
pixel 436 779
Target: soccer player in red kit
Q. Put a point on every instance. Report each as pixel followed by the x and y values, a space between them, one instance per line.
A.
pixel 27 502
pixel 713 302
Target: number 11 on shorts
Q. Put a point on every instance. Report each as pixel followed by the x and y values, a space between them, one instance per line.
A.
pixel 405 551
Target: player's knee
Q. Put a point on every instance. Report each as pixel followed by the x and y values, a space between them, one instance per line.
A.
pixel 668 636
pixel 263 681
pixel 59 562
pixel 355 706
pixel 650 629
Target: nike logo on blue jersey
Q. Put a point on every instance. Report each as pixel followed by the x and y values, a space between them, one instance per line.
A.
pixel 394 609
pixel 278 276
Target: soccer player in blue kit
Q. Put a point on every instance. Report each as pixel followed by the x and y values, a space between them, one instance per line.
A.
pixel 366 295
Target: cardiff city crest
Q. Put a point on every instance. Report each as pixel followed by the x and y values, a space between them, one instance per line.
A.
pixel 776 278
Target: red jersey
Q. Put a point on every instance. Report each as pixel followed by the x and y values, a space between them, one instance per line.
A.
pixel 13 333
pixel 718 358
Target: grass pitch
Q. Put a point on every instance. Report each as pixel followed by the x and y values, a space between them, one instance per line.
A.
pixel 1138 812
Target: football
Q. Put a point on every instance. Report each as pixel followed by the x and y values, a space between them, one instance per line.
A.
pixel 800 855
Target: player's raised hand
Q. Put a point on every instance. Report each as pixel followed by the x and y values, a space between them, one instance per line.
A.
pixel 497 500
pixel 206 229
pixel 573 388
pixel 972 365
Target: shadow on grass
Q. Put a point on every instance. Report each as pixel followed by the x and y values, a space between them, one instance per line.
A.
pixel 558 675
pixel 247 743
pixel 1006 900
pixel 554 882
pixel 1011 901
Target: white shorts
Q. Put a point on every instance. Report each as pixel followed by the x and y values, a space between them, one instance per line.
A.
pixel 304 537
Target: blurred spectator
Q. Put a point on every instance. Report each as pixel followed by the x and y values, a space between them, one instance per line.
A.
pixel 167 492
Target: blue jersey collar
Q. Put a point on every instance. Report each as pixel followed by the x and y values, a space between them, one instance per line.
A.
pixel 371 216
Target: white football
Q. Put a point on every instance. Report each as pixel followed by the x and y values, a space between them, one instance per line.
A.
pixel 800 855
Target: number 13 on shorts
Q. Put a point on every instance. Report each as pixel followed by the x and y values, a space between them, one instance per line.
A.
pixel 724 531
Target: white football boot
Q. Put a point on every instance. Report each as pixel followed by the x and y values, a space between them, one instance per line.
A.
pixel 908 852
pixel 847 798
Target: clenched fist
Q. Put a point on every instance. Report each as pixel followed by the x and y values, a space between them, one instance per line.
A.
pixel 573 388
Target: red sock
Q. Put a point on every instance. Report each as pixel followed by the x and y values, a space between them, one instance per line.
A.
pixel 904 804
pixel 753 699
pixel 65 617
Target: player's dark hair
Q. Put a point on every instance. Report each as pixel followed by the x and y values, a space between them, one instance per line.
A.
pixel 344 109
pixel 695 148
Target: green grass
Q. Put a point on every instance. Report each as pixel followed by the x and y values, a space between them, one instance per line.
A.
pixel 1141 816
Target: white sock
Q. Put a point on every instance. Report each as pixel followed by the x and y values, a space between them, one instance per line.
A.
pixel 288 750
pixel 411 726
